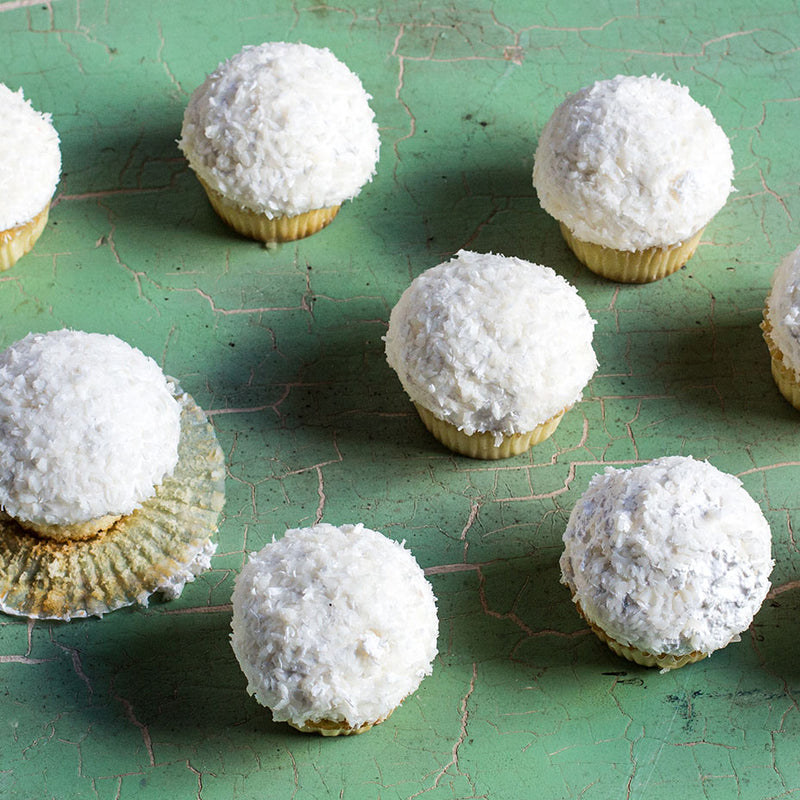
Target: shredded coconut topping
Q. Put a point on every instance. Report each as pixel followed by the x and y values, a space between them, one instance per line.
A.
pixel 89 426
pixel 30 159
pixel 783 310
pixel 671 557
pixel 333 624
pixel 491 343
pixel 632 163
pixel 282 129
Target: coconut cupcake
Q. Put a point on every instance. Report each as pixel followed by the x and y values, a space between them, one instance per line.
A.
pixel 30 165
pixel 111 478
pixel 333 627
pixel 668 561
pixel 491 350
pixel 781 327
pixel 280 135
pixel 633 169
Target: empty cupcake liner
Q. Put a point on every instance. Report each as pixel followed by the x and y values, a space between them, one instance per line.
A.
pixel 142 552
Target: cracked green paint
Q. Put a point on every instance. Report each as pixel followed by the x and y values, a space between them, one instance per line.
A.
pixel 283 347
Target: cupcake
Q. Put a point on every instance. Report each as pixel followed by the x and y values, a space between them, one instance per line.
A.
pixel 111 478
pixel 781 327
pixel 668 561
pixel 30 165
pixel 492 351
pixel 633 169
pixel 280 135
pixel 333 627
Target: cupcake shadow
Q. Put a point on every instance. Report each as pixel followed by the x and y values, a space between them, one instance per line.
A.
pixel 493 208
pixel 141 177
pixel 345 388
pixel 721 372
pixel 175 673
pixel 512 610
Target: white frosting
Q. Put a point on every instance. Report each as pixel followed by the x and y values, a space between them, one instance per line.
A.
pixel 491 343
pixel 670 557
pixel 333 623
pixel 30 159
pixel 632 163
pixel 783 310
pixel 88 427
pixel 282 129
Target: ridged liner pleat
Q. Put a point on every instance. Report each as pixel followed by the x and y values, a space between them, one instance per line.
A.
pixel 327 727
pixel 46 579
pixel 259 226
pixel 16 242
pixel 639 266
pixel 783 375
pixel 665 661
pixel 481 444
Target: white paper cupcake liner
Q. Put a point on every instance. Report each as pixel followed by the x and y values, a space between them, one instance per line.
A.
pixel 159 543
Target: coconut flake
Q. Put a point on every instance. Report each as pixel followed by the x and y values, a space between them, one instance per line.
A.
pixel 282 129
pixel 670 557
pixel 30 159
pixel 632 163
pixel 89 426
pixel 333 623
pixel 491 343
pixel 172 587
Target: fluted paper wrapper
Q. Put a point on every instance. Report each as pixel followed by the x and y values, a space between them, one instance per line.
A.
pixel 664 661
pixel 262 228
pixel 329 727
pixel 17 241
pixel 126 564
pixel 482 444
pixel 638 266
pixel 784 377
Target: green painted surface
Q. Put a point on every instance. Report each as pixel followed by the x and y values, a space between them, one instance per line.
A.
pixel 283 347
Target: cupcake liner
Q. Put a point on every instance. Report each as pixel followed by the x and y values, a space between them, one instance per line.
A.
pixel 639 266
pixel 482 444
pixel 17 241
pixel 784 377
pixel 785 381
pixel 140 553
pixel 329 727
pixel 664 661
pixel 260 227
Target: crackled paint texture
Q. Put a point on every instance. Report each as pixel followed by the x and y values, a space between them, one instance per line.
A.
pixel 283 347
